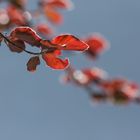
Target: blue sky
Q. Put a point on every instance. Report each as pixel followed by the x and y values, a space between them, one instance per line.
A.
pixel 37 107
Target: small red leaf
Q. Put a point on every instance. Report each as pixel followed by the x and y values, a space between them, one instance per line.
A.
pixel 69 42
pixel 51 8
pixel 32 63
pixel 18 47
pixel 16 15
pixel 26 34
pixel 55 62
pixel 44 29
pixel 94 74
pixel 97 44
pixel 65 4
pixel 53 15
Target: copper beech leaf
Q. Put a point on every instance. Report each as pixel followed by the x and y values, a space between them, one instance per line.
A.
pixel 44 29
pixel 69 42
pixel 32 63
pixel 65 4
pixel 26 34
pixel 51 8
pixel 18 17
pixel 55 62
pixel 18 47
pixel 97 45
pixel 53 15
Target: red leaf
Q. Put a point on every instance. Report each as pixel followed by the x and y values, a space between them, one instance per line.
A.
pixel 44 29
pixel 70 42
pixel 18 47
pixel 26 34
pixel 32 63
pixel 53 15
pixel 55 62
pixel 51 7
pixel 94 73
pixel 66 4
pixel 97 44
pixel 18 17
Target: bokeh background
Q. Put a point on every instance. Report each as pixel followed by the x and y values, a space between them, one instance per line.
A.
pixel 36 106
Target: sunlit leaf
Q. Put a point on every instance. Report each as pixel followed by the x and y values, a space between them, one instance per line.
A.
pixel 70 42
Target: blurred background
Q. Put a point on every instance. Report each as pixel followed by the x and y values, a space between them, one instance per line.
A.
pixel 36 106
